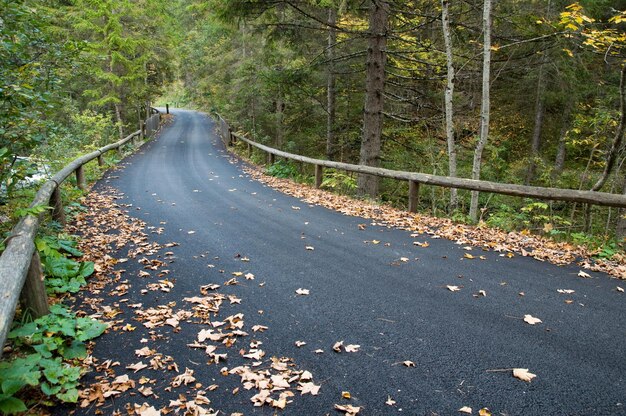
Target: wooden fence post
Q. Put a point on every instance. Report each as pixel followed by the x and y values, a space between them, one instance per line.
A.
pixel 167 108
pixel 249 150
pixel 319 175
pixel 271 158
pixel 33 296
pixel 101 160
pixel 414 195
pixel 80 178
pixel 58 214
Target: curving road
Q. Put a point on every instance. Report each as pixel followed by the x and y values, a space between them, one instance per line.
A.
pixel 362 294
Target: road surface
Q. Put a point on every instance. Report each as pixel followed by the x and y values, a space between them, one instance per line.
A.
pixel 389 298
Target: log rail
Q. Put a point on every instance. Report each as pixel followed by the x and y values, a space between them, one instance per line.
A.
pixel 21 276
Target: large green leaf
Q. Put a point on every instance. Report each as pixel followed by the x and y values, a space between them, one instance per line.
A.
pixel 11 406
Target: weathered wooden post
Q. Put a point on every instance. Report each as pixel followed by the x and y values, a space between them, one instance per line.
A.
pixel 140 129
pixel 33 295
pixel 80 178
pixel 271 158
pixel 249 150
pixel 167 108
pixel 414 195
pixel 100 160
pixel 58 214
pixel 319 175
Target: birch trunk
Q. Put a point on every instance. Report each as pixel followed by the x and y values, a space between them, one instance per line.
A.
pixel 374 88
pixel 331 140
pixel 485 106
pixel 448 96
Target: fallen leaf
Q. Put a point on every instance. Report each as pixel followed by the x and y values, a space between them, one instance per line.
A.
pixel 136 367
pixel 566 291
pixel 352 348
pixel 310 248
pixel 466 409
pixel 620 289
pixel 484 412
pixel 257 328
pixel 346 395
pixel 348 409
pixel 337 346
pixel 249 276
pixel 531 320
pixel 319 351
pixel 300 343
pixel 468 256
pixel 302 292
pixel 453 288
pixel 404 259
pixel 408 363
pixel 523 374
pixel 309 388
pixel 191 232
pixel 390 401
pixel 584 275
pixel 375 242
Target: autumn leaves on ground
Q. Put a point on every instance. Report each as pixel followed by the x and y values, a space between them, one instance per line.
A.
pixel 163 331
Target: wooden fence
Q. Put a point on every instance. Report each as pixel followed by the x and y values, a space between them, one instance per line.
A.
pixel 20 266
pixel 415 179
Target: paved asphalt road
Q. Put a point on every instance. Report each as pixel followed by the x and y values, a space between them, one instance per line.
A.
pixel 362 294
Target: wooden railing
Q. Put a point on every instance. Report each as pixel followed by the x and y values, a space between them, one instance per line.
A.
pixel 20 266
pixel 415 179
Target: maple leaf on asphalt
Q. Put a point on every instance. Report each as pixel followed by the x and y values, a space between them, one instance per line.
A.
pixel 260 328
pixel 137 366
pixel 523 374
pixel 531 320
pixel 309 388
pixel 348 409
pixel 185 378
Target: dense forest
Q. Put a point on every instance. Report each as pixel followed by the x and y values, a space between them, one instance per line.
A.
pixel 528 92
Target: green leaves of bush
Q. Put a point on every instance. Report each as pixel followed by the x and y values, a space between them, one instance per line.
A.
pixel 51 340
pixel 63 274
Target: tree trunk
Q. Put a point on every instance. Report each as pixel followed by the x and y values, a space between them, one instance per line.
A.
pixel 118 119
pixel 559 161
pixel 331 139
pixel 485 106
pixel 535 143
pixel 280 132
pixel 448 96
pixel 611 157
pixel 620 229
pixel 374 88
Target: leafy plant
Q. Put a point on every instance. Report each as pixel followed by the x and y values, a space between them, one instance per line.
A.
pixel 48 341
pixel 64 274
pixel 336 180
pixel 282 169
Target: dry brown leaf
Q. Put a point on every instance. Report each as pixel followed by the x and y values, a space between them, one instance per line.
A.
pixel 466 410
pixel 408 363
pixel 390 401
pixel 346 395
pixel 468 256
pixel 302 292
pixel 300 344
pixel 249 276
pixel 257 328
pixel 484 412
pixel 338 345
pixel 620 289
pixel 453 288
pixel 149 411
pixel 319 351
pixel 531 320
pixel 309 388
pixel 348 409
pixel 136 367
pixel 584 275
pixel 523 374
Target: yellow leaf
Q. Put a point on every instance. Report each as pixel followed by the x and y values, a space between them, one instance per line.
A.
pixel 346 395
pixel 484 412
pixel 468 256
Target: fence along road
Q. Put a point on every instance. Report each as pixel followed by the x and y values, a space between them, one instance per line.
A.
pixel 20 266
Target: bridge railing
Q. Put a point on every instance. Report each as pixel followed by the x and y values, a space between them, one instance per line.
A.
pixel 21 273
pixel 415 179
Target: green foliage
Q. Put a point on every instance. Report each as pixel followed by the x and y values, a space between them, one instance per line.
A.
pixel 36 210
pixel 48 345
pixel 63 274
pixel 338 181
pixel 282 169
